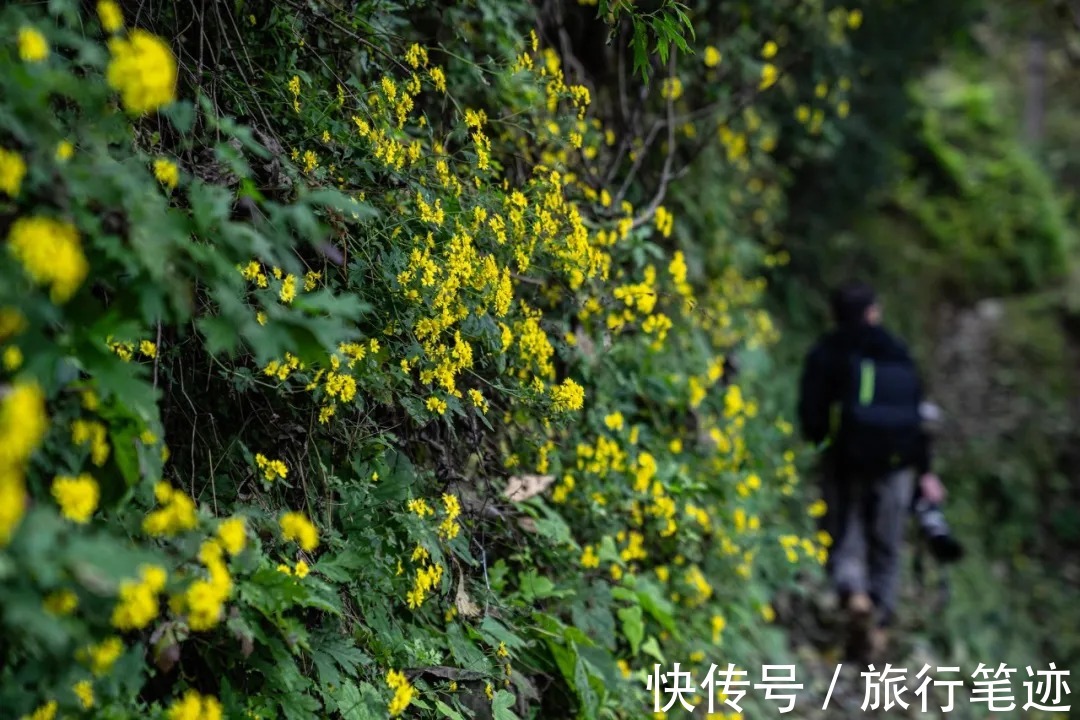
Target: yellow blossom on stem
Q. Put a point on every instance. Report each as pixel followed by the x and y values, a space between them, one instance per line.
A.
pixel 50 253
pixel 769 75
pixel 568 396
pixel 101 657
pixel 176 514
pixel 32 45
pixel 143 70
pixel 44 712
pixel 166 172
pixel 295 526
pixel 112 19
pixel 232 535
pixel 84 690
pixel 271 469
pixel 193 706
pixel 403 692
pixel 77 497
pixel 61 602
pixel 12 171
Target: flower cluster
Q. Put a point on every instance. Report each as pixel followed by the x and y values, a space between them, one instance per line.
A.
pixel 176 514
pixel 403 692
pixel 296 527
pixel 23 423
pixel 77 496
pixel 51 254
pixel 138 599
pixel 271 469
pixel 142 69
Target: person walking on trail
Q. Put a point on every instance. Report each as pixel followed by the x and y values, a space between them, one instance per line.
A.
pixel 860 396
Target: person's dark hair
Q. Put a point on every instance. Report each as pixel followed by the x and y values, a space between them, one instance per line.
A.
pixel 849 303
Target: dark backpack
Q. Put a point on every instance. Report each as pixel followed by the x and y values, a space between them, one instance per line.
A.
pixel 880 424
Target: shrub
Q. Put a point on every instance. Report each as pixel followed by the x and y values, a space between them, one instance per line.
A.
pixel 385 405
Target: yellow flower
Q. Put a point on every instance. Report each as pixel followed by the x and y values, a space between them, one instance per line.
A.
pixel 302 569
pixel 84 690
pixel 403 692
pixel 61 602
pixel 64 151
pixel 671 88
pixel 284 569
pixel 12 358
pixel 589 558
pixel 232 535
pixel 112 19
pixel 103 656
pixel 712 56
pixel 32 45
pixel 45 712
pixel 718 624
pixel 817 508
pixel 769 75
pixel 142 69
pixel 568 396
pixel 138 603
pixel 288 289
pixel 12 171
pixel 271 469
pixel 768 51
pixel 166 172
pixel 854 19
pixel 50 253
pixel 438 78
pixel 77 497
pixel 614 421
pixel 294 526
pixel 193 706
pixel 176 514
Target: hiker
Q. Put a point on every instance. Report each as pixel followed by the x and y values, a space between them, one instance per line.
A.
pixel 860 396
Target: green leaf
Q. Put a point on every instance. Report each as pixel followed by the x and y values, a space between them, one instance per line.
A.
pixel 632 625
pixel 501 704
pixel 449 712
pixel 535 586
pixel 464 650
pixel 589 704
pixel 125 453
pixel 349 206
pixel 181 114
pixel 652 648
pixel 219 335
pixel 342 567
pixel 639 45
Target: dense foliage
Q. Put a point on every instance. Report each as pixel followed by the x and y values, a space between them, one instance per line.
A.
pixel 356 361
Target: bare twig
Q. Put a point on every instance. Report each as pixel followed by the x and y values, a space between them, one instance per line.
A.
pixel 665 174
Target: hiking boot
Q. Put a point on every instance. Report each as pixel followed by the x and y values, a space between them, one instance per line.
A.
pixel 860 622
pixel 879 642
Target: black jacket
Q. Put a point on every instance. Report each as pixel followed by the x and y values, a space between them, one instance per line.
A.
pixel 824 375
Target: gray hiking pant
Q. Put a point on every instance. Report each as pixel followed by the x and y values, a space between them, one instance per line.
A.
pixel 866 518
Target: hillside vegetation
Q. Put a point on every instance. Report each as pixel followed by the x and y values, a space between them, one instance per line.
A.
pixel 424 359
